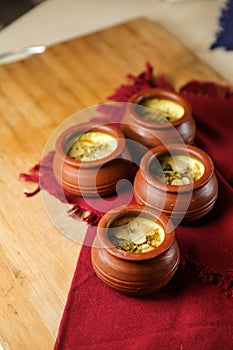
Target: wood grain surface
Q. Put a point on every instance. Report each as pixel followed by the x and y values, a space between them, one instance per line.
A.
pixel 37 262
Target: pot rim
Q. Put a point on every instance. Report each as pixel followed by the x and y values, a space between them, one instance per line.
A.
pixel 78 129
pixel 135 210
pixel 161 93
pixel 177 149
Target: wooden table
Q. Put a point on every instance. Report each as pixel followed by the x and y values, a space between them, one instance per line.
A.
pixel 37 262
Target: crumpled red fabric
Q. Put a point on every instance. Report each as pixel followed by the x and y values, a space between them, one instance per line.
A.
pixel 195 310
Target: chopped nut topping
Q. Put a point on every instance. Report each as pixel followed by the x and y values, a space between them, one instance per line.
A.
pixel 177 170
pixel 92 146
pixel 136 234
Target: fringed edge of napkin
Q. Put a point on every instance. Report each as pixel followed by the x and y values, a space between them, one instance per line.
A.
pixel 31 176
pixel 207 88
pixel 42 175
pixel 138 83
pixel 77 211
pixel 224 280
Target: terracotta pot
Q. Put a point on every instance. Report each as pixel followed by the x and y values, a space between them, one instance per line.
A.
pixel 135 273
pixel 91 178
pixel 182 203
pixel 150 133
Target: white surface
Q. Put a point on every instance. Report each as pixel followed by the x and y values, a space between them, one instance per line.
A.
pixel 193 22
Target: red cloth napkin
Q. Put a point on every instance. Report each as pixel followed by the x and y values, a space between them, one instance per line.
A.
pixel 186 314
pixel 195 310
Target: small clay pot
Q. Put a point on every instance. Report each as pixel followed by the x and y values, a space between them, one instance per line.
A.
pixel 182 203
pixel 91 178
pixel 151 133
pixel 135 273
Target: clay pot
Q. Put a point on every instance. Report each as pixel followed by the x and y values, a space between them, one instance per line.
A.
pixel 135 273
pixel 91 178
pixel 182 203
pixel 150 133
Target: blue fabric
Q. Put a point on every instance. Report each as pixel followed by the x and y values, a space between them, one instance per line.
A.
pixel 224 37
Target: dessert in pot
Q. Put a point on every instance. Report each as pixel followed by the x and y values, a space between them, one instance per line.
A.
pixel 179 181
pixel 91 159
pixel 92 146
pixel 157 116
pixel 135 251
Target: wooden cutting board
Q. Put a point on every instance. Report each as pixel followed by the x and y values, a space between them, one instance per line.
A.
pixel 36 261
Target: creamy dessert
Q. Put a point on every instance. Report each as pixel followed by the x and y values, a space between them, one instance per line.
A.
pixel 136 234
pixel 177 170
pixel 162 110
pixel 92 146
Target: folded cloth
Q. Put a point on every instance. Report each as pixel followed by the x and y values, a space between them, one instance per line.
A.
pixel 224 37
pixel 187 313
